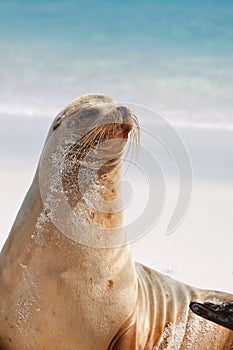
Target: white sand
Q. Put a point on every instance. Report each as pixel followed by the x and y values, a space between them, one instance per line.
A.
pixel 199 252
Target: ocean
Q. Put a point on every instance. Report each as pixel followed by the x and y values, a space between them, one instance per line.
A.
pixel 174 56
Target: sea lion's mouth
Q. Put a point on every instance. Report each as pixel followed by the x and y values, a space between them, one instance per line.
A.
pixel 106 138
pixel 102 147
pixel 109 132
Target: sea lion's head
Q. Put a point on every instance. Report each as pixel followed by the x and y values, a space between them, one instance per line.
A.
pixel 83 158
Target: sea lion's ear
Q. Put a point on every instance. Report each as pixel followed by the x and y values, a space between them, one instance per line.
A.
pixel 57 123
pixel 125 340
pixel 221 314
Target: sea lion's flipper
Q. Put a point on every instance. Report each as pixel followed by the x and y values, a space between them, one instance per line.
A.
pixel 221 314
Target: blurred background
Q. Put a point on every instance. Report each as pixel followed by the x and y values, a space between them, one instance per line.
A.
pixel 175 57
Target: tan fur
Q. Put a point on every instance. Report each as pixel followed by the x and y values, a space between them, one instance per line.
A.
pixel 58 294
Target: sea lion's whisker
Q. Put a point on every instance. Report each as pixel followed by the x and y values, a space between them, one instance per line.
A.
pixel 102 132
pixel 134 142
pixel 86 140
pixel 92 139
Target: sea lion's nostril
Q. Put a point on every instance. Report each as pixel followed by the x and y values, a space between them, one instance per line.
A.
pixel 123 111
pixel 125 114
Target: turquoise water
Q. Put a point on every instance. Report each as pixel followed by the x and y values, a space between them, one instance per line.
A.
pixel 203 26
pixel 174 56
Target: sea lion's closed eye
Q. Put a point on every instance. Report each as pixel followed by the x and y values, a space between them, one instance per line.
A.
pixel 90 113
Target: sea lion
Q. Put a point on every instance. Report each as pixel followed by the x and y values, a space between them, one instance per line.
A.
pixel 67 278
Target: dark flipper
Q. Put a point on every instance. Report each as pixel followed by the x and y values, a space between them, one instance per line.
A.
pixel 221 314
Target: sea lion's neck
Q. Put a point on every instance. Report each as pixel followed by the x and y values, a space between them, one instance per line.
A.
pixel 34 233
pixel 94 196
pixel 42 256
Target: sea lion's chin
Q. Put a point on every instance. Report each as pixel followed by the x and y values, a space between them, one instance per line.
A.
pixel 106 156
